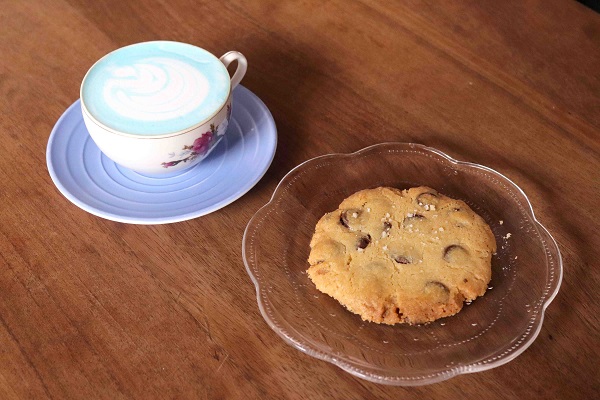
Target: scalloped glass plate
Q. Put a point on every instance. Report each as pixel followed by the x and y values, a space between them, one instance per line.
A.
pixel 494 329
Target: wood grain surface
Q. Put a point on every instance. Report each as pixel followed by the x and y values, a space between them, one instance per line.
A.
pixel 91 308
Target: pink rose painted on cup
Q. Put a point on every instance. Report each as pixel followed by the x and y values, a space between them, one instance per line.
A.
pixel 199 148
pixel 200 145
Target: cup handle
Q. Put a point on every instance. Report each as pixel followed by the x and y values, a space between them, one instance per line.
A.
pixel 242 66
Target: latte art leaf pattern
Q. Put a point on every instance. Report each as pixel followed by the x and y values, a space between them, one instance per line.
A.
pixel 155 89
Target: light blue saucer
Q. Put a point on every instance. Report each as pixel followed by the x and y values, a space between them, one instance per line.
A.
pixel 93 182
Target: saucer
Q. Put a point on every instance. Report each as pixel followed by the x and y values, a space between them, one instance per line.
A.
pixel 94 183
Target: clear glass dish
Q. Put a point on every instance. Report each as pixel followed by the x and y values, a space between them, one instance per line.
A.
pixel 491 331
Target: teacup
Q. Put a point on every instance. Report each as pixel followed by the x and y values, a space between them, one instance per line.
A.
pixel 158 107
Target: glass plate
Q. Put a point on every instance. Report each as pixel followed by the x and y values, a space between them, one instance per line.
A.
pixel 491 331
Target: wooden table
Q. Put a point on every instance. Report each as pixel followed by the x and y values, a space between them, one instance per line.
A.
pixel 91 308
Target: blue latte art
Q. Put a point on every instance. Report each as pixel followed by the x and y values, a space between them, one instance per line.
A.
pixel 155 88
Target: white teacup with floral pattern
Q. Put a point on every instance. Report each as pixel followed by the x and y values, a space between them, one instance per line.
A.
pixel 158 107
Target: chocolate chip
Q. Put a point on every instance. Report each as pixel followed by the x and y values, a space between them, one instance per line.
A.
pixel 344 220
pixel 413 218
pixel 438 284
pixel 452 249
pixel 427 199
pixel 437 290
pixel 349 218
pixel 387 226
pixel 363 242
pixel 395 310
pixel 402 260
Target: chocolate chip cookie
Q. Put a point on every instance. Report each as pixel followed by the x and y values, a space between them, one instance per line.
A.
pixel 409 256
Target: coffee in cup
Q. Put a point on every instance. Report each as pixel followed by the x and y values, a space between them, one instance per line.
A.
pixel 161 106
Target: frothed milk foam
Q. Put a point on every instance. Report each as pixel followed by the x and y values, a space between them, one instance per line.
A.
pixel 155 87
